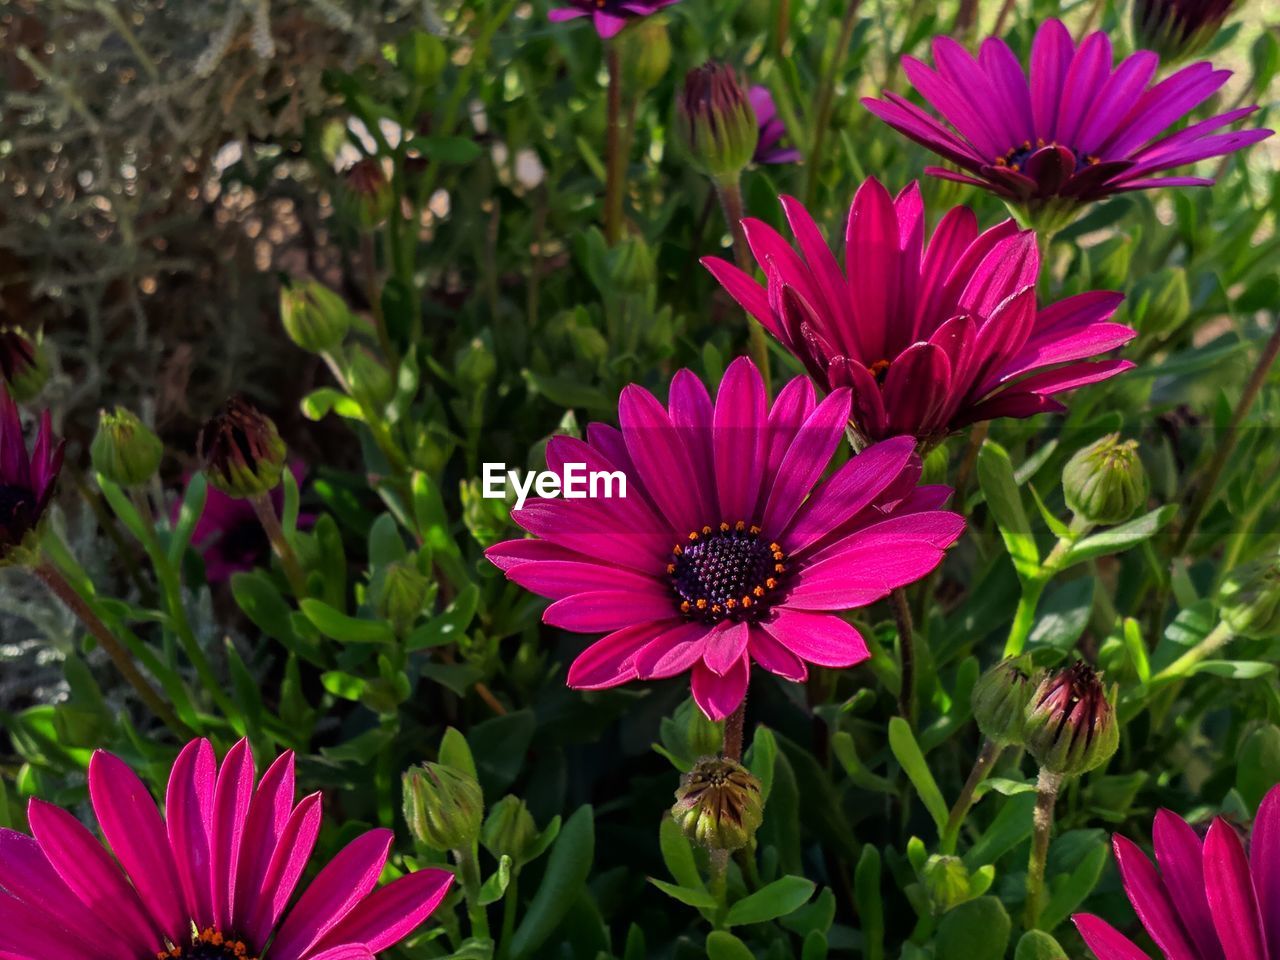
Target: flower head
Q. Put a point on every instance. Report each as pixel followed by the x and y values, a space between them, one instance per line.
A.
pixel 928 338
pixel 1105 482
pixel 1208 899
pixel 24 369
pixel 1178 28
pixel 26 481
pixel 242 451
pixel 720 804
pixel 608 16
pixel 368 193
pixel 444 807
pixel 1071 725
pixel 1000 699
pixel 769 147
pixel 726 549
pixel 1249 599
pixel 1072 128
pixel 125 450
pixel 716 120
pixel 209 880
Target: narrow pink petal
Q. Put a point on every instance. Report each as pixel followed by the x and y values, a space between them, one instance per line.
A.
pixel 718 696
pixel 1232 901
pixel 1106 942
pixel 135 832
pixel 392 912
pixel 794 404
pixel 513 553
pixel 231 798
pixel 1051 54
pixel 821 639
pixel 915 124
pixel 346 951
pixel 37 937
pixel 776 658
pixel 608 24
pixel 1089 71
pixel 288 861
pixel 672 652
pixel 806 458
pixel 1116 99
pixel 1151 902
pixel 590 527
pixel 1007 76
pixel 1180 854
pixel 724 646
pixel 916 390
pixel 830 281
pixel 189 818
pixel 862 574
pixel 662 460
pixel 872 264
pixel 692 413
pixel 1012 265
pixel 1264 857
pixel 560 14
pixel 558 579
pixel 1073 375
pixel 738 437
pixel 971 83
pixel 1169 100
pixel 610 660
pixel 635 510
pixel 602 610
pixel 955 107
pixel 268 814
pixel 333 894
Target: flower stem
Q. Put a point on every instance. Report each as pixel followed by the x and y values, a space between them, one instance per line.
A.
pixel 614 170
pixel 826 101
pixel 58 585
pixel 730 194
pixel 469 869
pixel 987 758
pixel 1032 589
pixel 733 726
pixel 1047 787
pixel 907 652
pixel 1217 638
pixel 266 512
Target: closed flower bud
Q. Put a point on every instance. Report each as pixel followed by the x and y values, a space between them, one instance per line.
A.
pixel 1071 723
pixel 509 830
pixel 1249 600
pixel 1105 483
pixel 241 449
pixel 946 879
pixel 403 594
pixel 475 365
pixel 645 54
pixel 314 317
pixel 23 365
pixel 125 450
pixel 1177 29
pixel 719 804
pixel 716 122
pixel 631 266
pixel 422 56
pixel 442 806
pixel 368 378
pixel 1000 699
pixel 368 193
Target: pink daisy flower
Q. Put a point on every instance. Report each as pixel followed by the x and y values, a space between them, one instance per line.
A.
pixel 1072 128
pixel 210 880
pixel 608 16
pixel 773 131
pixel 728 549
pixel 26 480
pixel 1208 900
pixel 929 338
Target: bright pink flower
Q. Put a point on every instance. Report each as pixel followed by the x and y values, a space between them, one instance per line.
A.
pixel 1207 901
pixel 210 880
pixel 929 339
pixel 608 16
pixel 1078 129
pixel 773 131
pixel 727 549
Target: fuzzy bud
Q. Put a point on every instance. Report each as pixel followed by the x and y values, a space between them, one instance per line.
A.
pixel 631 266
pixel 1000 699
pixel 1105 483
pixel 314 317
pixel 403 594
pixel 368 193
pixel 1249 600
pixel 645 53
pixel 1177 29
pixel 24 368
pixel 946 879
pixel 443 807
pixel 124 449
pixel 716 122
pixel 1071 722
pixel 369 379
pixel 241 449
pixel 509 830
pixel 719 804
pixel 422 56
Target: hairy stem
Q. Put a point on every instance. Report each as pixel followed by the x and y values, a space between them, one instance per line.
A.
pixel 907 652
pixel 266 512
pixel 469 873
pixel 987 758
pixel 1047 787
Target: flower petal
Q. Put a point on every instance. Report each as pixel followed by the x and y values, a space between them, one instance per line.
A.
pixel 737 440
pixel 609 661
pixel 268 814
pixel 1151 902
pixel 1232 901
pixel 288 861
pixel 1264 855
pixel 391 913
pixel 718 696
pixel 231 798
pixel 821 639
pixel 189 818
pixel 1106 942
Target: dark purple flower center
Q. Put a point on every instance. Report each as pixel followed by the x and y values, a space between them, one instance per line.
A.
pixel 1016 157
pixel 725 573
pixel 880 370
pixel 18 508
pixel 209 944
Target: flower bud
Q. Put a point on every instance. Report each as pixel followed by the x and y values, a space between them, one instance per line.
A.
pixel 719 804
pixel 946 879
pixel 1000 699
pixel 368 378
pixel 368 193
pixel 402 596
pixel 1071 723
pixel 24 368
pixel 509 830
pixel 475 365
pixel 242 451
pixel 1249 600
pixel 442 806
pixel 124 449
pixel 1105 483
pixel 631 268
pixel 716 122
pixel 645 53
pixel 422 56
pixel 1177 29
pixel 1162 301
pixel 314 317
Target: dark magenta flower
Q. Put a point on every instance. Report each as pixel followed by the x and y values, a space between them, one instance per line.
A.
pixel 1208 900
pixel 1077 130
pixel 209 880
pixel 928 338
pixel 26 481
pixel 608 16
pixel 769 147
pixel 727 548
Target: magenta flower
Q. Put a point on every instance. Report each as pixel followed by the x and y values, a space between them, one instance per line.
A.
pixel 769 147
pixel 928 338
pixel 1076 130
pixel 1208 900
pixel 608 16
pixel 727 549
pixel 210 880
pixel 26 482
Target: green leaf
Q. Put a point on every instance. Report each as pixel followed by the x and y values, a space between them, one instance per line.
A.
pixel 499 746
pixel 1121 538
pixel 386 545
pixel 456 752
pixel 188 516
pixel 451 151
pixel 566 873
pixel 772 901
pixel 995 475
pixel 761 759
pixel 448 626
pixel 1038 945
pixel 1258 764
pixel 700 899
pixel 722 945
pixel 867 898
pixel 1069 892
pixel 677 854
pixel 338 626
pixel 1136 647
pixel 568 392
pixel 1235 669
pixel 318 404
pixel 491 890
pixel 975 930
pixel 342 684
pixel 903 744
pixel 1011 826
pixel 256 595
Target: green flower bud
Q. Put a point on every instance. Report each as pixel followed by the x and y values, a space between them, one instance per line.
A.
pixel 631 268
pixel 124 449
pixel 368 378
pixel 1071 722
pixel 1105 482
pixel 509 830
pixel 1249 600
pixel 368 193
pixel 1178 29
pixel 442 806
pixel 1000 699
pixel 716 122
pixel 24 368
pixel 402 596
pixel 719 804
pixel 644 50
pixel 314 317
pixel 487 518
pixel 422 56
pixel 946 879
pixel 241 449
pixel 475 365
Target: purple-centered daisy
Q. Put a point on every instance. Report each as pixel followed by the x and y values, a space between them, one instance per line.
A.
pixel 727 549
pixel 1209 900
pixel 608 16
pixel 26 481
pixel 1071 129
pixel 929 338
pixel 210 880
pixel 769 147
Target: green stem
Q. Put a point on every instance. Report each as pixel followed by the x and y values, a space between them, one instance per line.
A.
pixel 826 101
pixel 1032 589
pixel 615 171
pixel 1218 638
pixel 469 868
pixel 510 905
pixel 1047 787
pixel 266 512
pixel 987 758
pixel 730 194
pixel 907 653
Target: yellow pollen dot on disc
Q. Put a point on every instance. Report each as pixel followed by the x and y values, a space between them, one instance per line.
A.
pixel 740 525
pixel 1001 161
pixel 705 531
pixel 1015 167
pixel 778 568
pixel 730 603
pixel 678 550
pixel 771 583
pixel 724 526
pixel 702 603
pixel 715 608
pixel 693 536
pixel 685 606
pixel 778 554
pixel 1092 160
pixel 746 601
pixel 758 591
pixel 671 568
pixel 755 529
pixel 1039 141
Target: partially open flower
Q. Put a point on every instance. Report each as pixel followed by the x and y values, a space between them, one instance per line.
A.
pixel 26 482
pixel 1105 483
pixel 23 366
pixel 1249 600
pixel 369 193
pixel 1177 29
pixel 242 451
pixel 719 804
pixel 1000 699
pixel 444 807
pixel 1071 723
pixel 125 450
pixel 716 122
